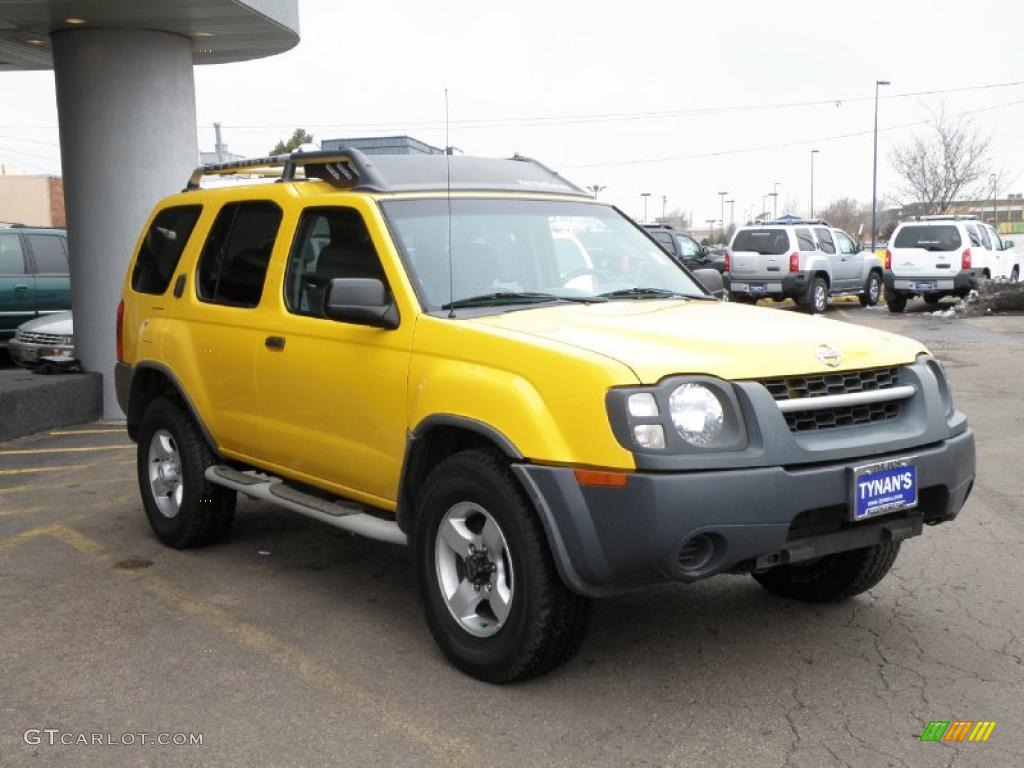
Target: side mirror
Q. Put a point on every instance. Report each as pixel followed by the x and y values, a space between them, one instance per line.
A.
pixel 860 246
pixel 361 300
pixel 704 251
pixel 1007 245
pixel 711 279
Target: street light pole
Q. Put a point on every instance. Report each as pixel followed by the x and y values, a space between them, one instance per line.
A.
pixel 995 211
pixel 596 189
pixel 722 195
pixel 775 201
pixel 764 206
pixel 874 172
pixel 813 153
pixel 645 195
pixel 664 202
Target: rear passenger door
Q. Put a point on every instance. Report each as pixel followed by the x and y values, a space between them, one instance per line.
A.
pixel 17 285
pixel 49 256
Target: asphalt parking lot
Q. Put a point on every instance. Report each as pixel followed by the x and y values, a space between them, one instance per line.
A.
pixel 292 644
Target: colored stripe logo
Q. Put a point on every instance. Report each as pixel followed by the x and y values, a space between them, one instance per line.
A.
pixel 958 730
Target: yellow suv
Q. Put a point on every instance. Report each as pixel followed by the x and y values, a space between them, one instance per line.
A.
pixel 475 358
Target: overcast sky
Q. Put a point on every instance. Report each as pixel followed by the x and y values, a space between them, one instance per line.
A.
pixel 573 83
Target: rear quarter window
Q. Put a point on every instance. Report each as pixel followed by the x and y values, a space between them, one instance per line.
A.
pixel 770 242
pixel 162 247
pixel 931 237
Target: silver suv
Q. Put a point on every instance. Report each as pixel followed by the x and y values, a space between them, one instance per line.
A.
pixel 800 259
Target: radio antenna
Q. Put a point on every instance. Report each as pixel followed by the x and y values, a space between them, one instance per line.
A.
pixel 448 181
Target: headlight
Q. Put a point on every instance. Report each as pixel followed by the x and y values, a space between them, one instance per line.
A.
pixel 68 340
pixel 696 413
pixel 686 414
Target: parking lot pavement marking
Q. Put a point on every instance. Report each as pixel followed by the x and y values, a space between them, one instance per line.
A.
pixel 22 511
pixel 87 432
pixel 84 449
pixel 32 470
pixel 447 749
pixel 78 483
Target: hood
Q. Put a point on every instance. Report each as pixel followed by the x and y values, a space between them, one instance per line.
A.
pixel 731 341
pixel 58 323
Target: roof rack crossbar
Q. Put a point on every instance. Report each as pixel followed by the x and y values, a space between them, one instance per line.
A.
pixel 942 217
pixel 344 166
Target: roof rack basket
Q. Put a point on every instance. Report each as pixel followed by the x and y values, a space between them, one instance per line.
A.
pixel 343 167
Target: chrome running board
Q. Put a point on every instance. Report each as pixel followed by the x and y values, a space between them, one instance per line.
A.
pixel 348 516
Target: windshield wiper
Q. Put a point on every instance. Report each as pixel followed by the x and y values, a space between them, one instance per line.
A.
pixel 514 297
pixel 650 293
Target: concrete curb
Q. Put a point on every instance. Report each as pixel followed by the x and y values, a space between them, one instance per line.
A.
pixel 33 403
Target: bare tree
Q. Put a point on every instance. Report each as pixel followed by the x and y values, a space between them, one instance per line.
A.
pixel 677 217
pixel 851 216
pixel 947 162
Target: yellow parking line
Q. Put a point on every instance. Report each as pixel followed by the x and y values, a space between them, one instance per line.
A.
pixel 21 511
pixel 447 749
pixel 34 451
pixel 82 483
pixel 87 432
pixel 31 470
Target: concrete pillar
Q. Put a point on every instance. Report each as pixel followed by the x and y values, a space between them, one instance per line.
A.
pixel 127 111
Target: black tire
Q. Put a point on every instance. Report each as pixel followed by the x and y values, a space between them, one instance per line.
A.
pixel 206 511
pixel 831 578
pixel 546 622
pixel 896 302
pixel 1015 275
pixel 872 291
pixel 817 296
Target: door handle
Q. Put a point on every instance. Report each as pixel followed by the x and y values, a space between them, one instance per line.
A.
pixel 274 342
pixel 21 287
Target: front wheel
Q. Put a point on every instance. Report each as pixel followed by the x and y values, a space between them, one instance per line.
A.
pixel 1015 275
pixel 872 291
pixel 493 599
pixel 832 577
pixel 184 508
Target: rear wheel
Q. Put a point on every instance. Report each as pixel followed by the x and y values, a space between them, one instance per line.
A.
pixel 872 290
pixel 832 577
pixel 1015 275
pixel 817 296
pixel 494 601
pixel 183 507
pixel 896 302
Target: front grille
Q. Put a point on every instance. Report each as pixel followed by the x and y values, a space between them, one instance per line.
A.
pixel 45 339
pixel 845 383
pixel 816 385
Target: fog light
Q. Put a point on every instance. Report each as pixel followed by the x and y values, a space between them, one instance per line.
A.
pixel 696 553
pixel 650 436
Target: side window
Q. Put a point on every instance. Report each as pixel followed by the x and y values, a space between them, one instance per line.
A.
pixel 984 236
pixel 330 243
pixel 12 260
pixel 825 240
pixel 972 233
pixel 805 240
pixel 233 265
pixel 48 254
pixel 845 244
pixel 161 248
pixel 688 247
pixel 665 239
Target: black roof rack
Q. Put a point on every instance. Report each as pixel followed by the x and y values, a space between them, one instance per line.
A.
pixel 343 167
pixel 793 220
pixel 351 169
pixel 941 217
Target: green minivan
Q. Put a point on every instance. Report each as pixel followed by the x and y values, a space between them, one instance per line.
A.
pixel 34 277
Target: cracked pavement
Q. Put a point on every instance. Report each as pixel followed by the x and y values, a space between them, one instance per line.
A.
pixel 315 653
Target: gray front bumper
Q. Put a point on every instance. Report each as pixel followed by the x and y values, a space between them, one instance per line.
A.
pixel 606 540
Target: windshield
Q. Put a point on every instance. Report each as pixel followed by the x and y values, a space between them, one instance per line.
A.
pixel 933 237
pixel 530 251
pixel 769 242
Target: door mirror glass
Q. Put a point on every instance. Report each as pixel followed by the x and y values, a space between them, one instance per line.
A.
pixel 1007 245
pixel 711 279
pixel 361 300
pixel 704 251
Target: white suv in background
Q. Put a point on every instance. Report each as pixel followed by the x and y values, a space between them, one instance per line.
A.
pixel 801 259
pixel 936 256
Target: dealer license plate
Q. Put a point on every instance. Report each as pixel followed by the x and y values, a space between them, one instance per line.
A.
pixel 28 355
pixel 885 487
pixel 925 286
pixel 759 289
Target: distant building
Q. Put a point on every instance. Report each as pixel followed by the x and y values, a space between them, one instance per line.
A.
pixel 1005 214
pixel 208 158
pixel 35 201
pixel 384 145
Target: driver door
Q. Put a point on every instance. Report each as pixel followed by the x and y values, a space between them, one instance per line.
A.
pixel 850 265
